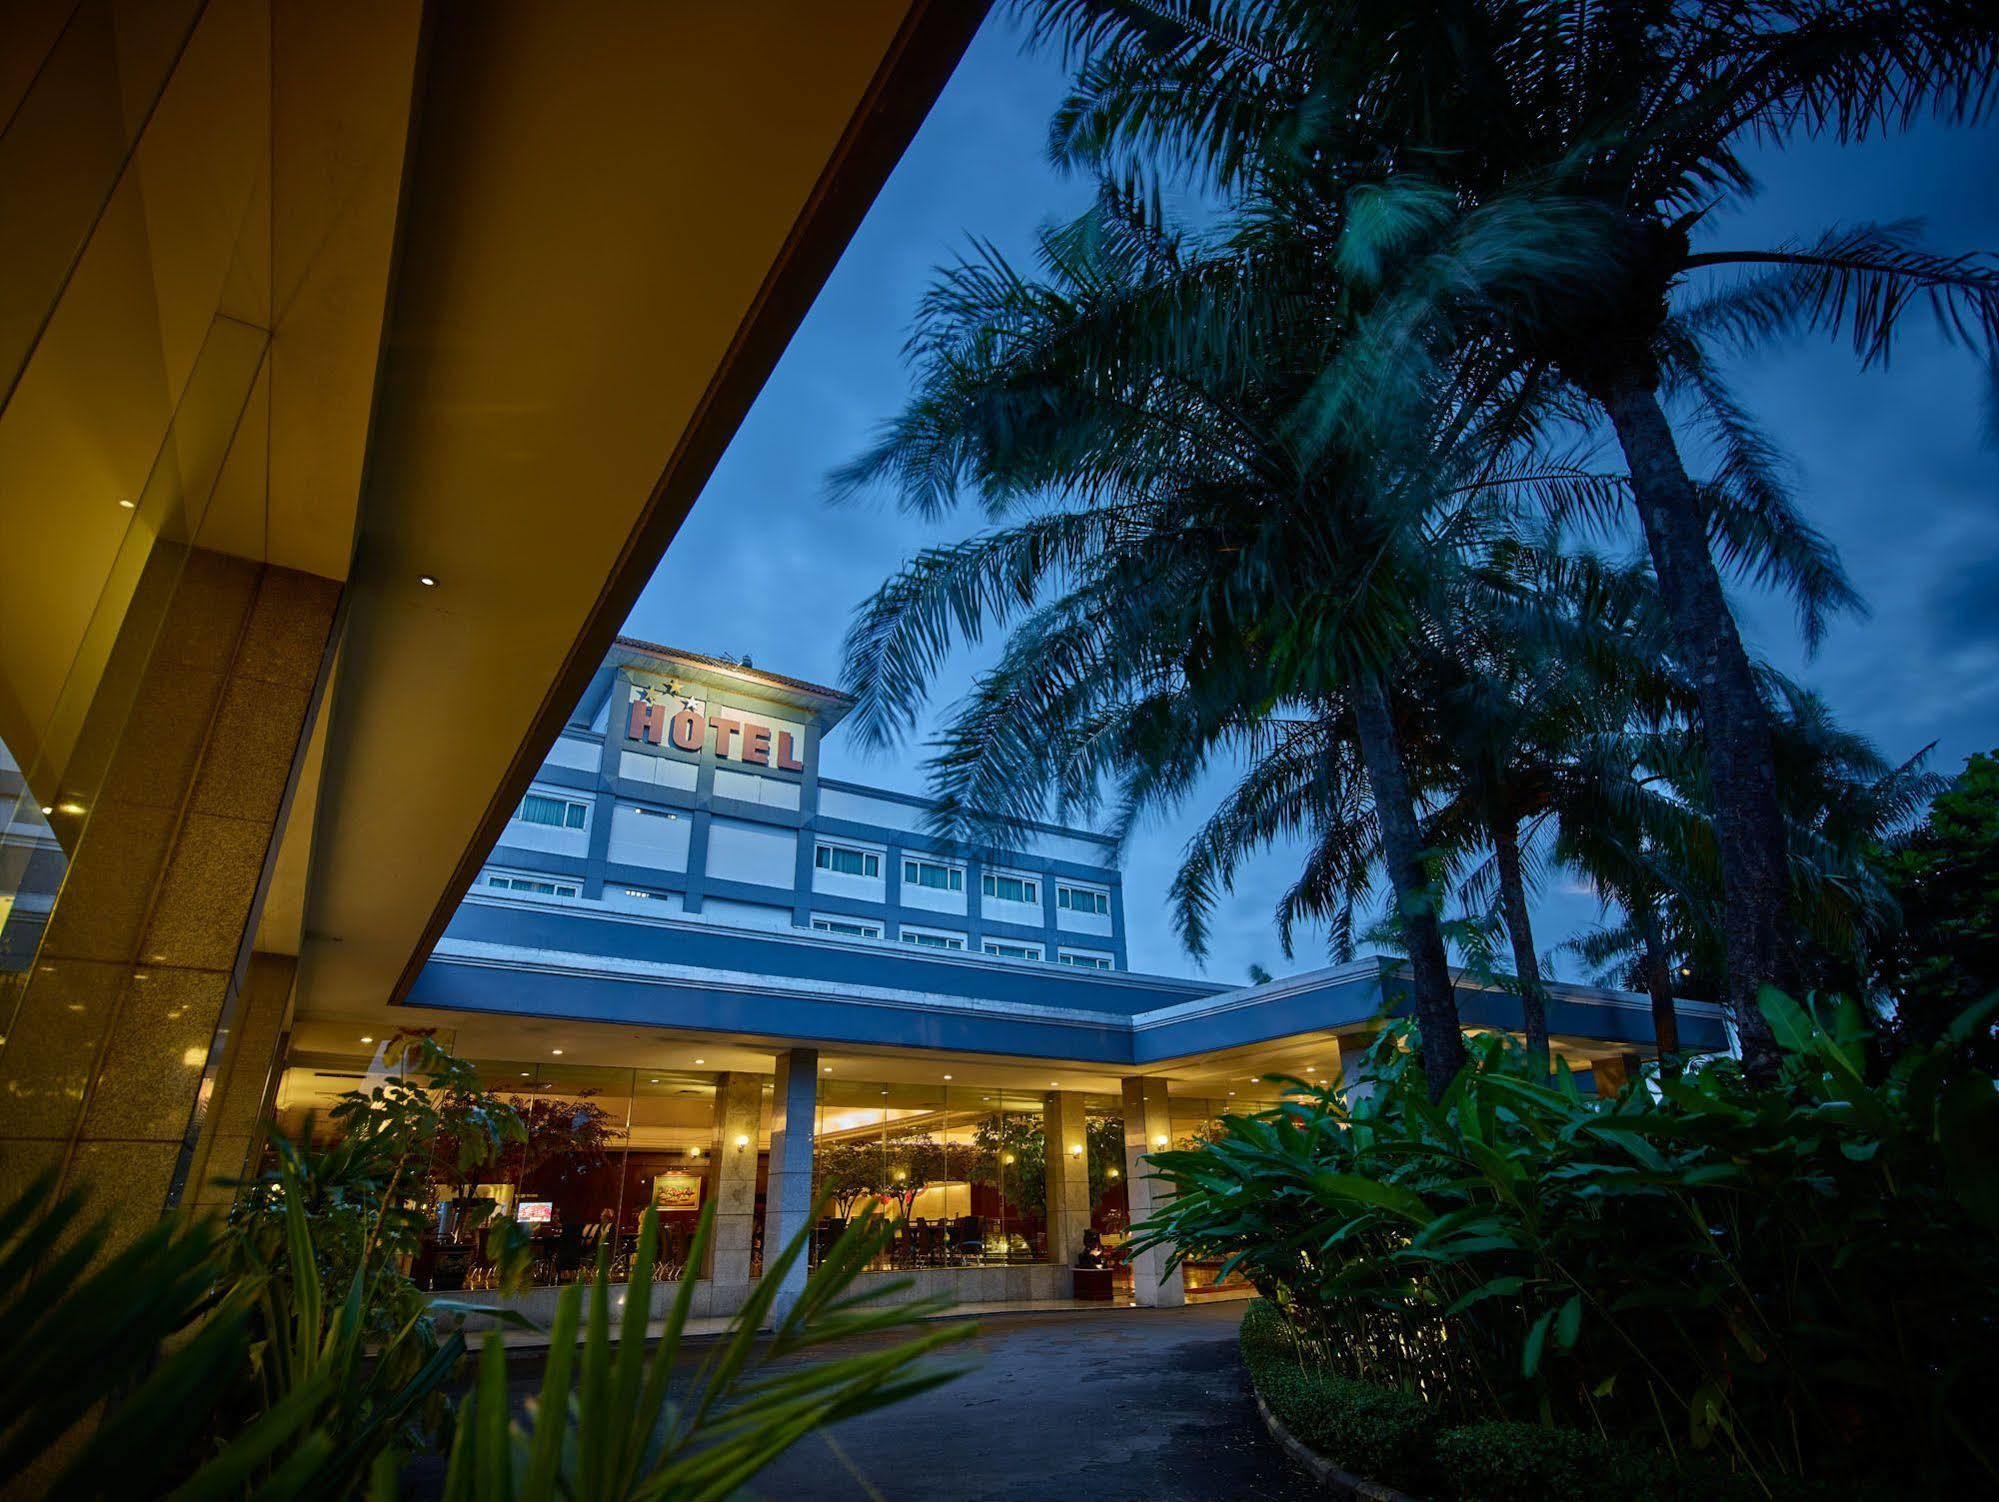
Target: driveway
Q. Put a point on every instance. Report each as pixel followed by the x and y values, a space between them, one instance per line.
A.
pixel 1097 1406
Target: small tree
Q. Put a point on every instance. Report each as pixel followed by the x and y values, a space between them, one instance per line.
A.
pixel 1945 876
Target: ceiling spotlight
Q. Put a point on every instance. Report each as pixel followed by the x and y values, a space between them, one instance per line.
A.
pixel 655 1079
pixel 47 809
pixel 700 1061
pixel 129 505
pixel 947 1076
pixel 366 1039
pixel 556 1051
pixel 428 581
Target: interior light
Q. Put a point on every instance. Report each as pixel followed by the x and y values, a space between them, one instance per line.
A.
pixel 1115 1174
pixel 742 1142
pixel 524 1074
pixel 827 1070
pixel 428 581
pixel 1075 1149
pixel 556 1051
pixel 1052 1085
pixel 71 807
pixel 366 1039
pixel 947 1076
pixel 1159 1141
pixel 129 505
pixel 655 1079
pixel 47 809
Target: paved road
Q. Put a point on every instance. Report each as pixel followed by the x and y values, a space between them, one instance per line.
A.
pixel 1146 1405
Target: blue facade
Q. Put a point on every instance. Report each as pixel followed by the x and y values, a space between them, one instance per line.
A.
pixel 730 823
pixel 666 870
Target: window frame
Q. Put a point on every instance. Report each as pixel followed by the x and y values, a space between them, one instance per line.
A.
pixel 1085 959
pixel 571 806
pixel 559 886
pixel 989 881
pixel 840 926
pixel 954 875
pixel 942 940
pixel 822 846
pixel 1066 892
pixel 1038 954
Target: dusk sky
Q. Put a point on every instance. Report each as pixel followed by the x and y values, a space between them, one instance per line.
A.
pixel 1896 467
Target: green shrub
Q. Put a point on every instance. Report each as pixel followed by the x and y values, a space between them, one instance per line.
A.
pixel 1768 1282
pixel 1380 1433
pixel 1506 1462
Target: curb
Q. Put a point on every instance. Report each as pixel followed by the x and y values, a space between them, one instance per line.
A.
pixel 1339 1482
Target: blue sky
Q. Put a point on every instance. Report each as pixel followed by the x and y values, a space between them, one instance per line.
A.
pixel 1894 466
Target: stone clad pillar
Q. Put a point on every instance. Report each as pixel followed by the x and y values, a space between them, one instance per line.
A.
pixel 1148 1127
pixel 788 1200
pixel 1065 1129
pixel 732 1184
pixel 122 1030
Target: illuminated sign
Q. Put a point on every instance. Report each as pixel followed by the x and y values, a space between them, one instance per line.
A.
pixel 736 739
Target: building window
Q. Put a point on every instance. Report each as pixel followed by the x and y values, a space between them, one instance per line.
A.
pixel 930 938
pixel 553 812
pixel 540 886
pixel 932 874
pixel 1083 900
pixel 849 928
pixel 844 860
pixel 1083 959
pixel 999 949
pixel 1011 889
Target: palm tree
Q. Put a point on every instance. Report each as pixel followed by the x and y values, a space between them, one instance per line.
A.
pixel 1521 181
pixel 1644 829
pixel 1170 573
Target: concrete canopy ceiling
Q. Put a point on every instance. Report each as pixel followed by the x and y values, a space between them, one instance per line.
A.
pixel 613 218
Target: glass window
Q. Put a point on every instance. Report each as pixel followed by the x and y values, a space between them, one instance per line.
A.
pixel 539 885
pixel 1083 960
pixel 852 928
pixel 934 875
pixel 847 861
pixel 932 939
pixel 1000 949
pixel 1011 888
pixel 555 813
pixel 1083 900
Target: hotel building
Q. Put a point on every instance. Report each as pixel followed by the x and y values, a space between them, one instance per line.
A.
pixel 358 365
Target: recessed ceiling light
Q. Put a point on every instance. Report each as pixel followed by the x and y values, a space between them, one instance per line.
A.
pixel 947 1076
pixel 655 1079
pixel 700 1061
pixel 428 581
pixel 827 1070
pixel 1054 1085
pixel 366 1039
pixel 129 505
pixel 48 808
pixel 556 1051
pixel 524 1074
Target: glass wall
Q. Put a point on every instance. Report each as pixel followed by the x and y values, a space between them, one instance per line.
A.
pixel 962 1169
pixel 601 1144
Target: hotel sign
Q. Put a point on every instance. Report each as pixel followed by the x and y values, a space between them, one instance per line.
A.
pixel 736 739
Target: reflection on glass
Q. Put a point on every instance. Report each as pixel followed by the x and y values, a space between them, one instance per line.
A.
pixel 600 1146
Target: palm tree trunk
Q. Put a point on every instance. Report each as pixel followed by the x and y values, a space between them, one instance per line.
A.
pixel 1526 965
pixel 1443 1046
pixel 1749 825
pixel 1659 981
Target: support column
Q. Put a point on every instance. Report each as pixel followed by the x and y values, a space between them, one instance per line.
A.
pixel 1354 1049
pixel 788 1201
pixel 733 1184
pixel 1148 1127
pixel 1065 1133
pixel 121 1030
pixel 234 1114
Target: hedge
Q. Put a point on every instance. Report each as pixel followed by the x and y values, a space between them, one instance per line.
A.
pixel 1387 1435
